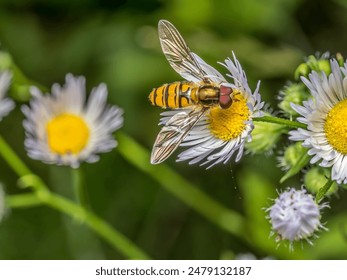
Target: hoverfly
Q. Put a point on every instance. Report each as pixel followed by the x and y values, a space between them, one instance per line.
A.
pixel 200 92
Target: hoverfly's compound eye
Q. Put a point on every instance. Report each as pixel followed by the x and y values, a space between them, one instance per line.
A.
pixel 225 102
pixel 226 97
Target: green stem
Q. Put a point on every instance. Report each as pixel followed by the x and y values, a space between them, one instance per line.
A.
pixel 323 190
pixel 77 182
pixel 12 159
pixel 115 238
pixel 20 83
pixel 77 212
pixel 41 194
pixel 289 123
pixel 181 188
pixel 23 200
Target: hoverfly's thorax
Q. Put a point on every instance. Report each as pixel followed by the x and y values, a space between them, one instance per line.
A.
pixel 208 94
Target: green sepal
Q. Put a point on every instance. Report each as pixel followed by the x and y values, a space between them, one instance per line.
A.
pixel 323 190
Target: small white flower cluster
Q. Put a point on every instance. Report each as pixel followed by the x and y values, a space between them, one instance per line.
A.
pixel 295 215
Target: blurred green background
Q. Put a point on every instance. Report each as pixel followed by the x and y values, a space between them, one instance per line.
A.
pixel 116 42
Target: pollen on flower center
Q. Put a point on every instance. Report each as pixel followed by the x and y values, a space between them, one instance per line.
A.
pixel 335 127
pixel 227 124
pixel 67 134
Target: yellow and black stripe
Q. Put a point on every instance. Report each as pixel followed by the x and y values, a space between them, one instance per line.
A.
pixel 174 95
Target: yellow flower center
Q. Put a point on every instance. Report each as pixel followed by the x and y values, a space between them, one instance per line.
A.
pixel 227 124
pixel 67 134
pixel 335 127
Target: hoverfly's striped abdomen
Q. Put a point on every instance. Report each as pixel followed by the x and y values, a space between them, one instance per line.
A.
pixel 174 95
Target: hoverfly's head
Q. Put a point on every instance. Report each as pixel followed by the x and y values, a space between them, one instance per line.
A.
pixel 225 97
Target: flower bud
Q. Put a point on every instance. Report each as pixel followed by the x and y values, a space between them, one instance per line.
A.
pixel 293 93
pixel 302 70
pixel 264 137
pixel 291 156
pixel 295 216
pixel 316 178
pixel 314 63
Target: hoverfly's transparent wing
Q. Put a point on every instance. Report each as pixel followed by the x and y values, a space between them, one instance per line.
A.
pixel 181 59
pixel 210 73
pixel 173 133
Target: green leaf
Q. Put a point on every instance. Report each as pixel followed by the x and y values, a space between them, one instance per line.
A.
pixel 302 162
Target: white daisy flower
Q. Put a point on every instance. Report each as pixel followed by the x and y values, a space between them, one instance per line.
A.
pixel 295 215
pixel 222 132
pixel 6 104
pixel 63 129
pixel 325 116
